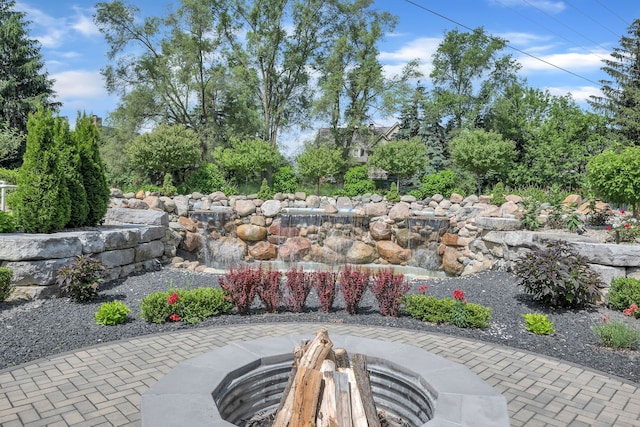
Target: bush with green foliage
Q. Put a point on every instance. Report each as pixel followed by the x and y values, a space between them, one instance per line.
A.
pixel 623 292
pixel 615 176
pixel 538 323
pixel 558 276
pixel 191 305
pixel 11 146
pixel 70 167
pixel 357 182
pixel 497 194
pixel 41 203
pixel 112 313
pixel 79 280
pixel 530 220
pixel 7 222
pixel 6 274
pixel 443 182
pixel 428 308
pixel 616 335
pixel 205 179
pixel 393 195
pixel 265 192
pixel 168 189
pixel 9 176
pixel 285 180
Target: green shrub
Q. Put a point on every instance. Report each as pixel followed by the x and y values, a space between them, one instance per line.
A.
pixel 7 222
pixel 497 194
pixel 558 276
pixel 206 179
pixel 285 180
pixel 112 313
pixel 6 274
pixel 357 182
pixel 79 280
pixel 430 309
pixel 392 195
pixel 538 323
pixel 617 335
pixel 443 182
pixel 416 193
pixel 192 305
pixel 9 176
pixel 623 292
pixel 168 189
pixel 265 191
pixel 530 220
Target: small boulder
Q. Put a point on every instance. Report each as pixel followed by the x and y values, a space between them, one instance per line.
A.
pixel 245 207
pixel 392 252
pixel 294 249
pixel 361 253
pixel 400 211
pixel 380 230
pixel 251 232
pixel 263 251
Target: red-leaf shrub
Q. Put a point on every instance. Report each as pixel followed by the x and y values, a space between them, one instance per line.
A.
pixel 353 284
pixel 299 285
pixel 389 289
pixel 269 289
pixel 325 284
pixel 241 284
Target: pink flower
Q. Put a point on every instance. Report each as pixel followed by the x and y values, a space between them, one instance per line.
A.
pixel 622 211
pixel 633 307
pixel 173 298
pixel 627 226
pixel 604 319
pixel 174 318
pixel 458 294
pixel 608 227
pixel 423 288
pixel 627 312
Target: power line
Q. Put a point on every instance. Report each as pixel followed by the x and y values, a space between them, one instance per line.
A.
pixel 507 45
pixel 593 20
pixel 613 13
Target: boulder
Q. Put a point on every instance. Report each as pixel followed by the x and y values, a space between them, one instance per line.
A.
pixel 116 192
pixel 313 201
pixel 456 198
pixel 245 207
pixel 408 239
pixel 449 239
pixel 338 244
pixel 137 204
pixel 294 249
pixel 258 220
pixel 513 198
pixel 407 198
pixel 375 209
pixel 572 200
pixel 187 224
pixel 118 216
pixel 344 202
pixel 263 251
pixel 251 233
pixel 392 252
pixel 22 247
pixel 361 253
pixel 380 230
pixel 191 242
pixel 149 250
pixel 400 211
pixel 169 204
pixel 325 255
pixel 226 251
pixel 330 209
pixel 271 208
pixel 182 205
pixel 450 263
pixel 508 209
pixel 154 202
pixel 140 195
pixel 277 229
pixel 42 272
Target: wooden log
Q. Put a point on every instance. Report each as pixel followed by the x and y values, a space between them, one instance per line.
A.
pixel 343 399
pixel 327 416
pixel 305 401
pixel 358 416
pixel 342 358
pixel 317 350
pixel 364 387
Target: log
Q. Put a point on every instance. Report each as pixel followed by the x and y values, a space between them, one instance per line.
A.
pixel 364 387
pixel 327 416
pixel 305 402
pixel 343 399
pixel 358 416
pixel 342 358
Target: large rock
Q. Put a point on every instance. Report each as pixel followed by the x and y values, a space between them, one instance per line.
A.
pixel 408 239
pixel 375 209
pixel 294 249
pixel 150 250
pixel 120 238
pixel 118 257
pixel 226 251
pixel 251 232
pixel 154 202
pixel 344 203
pixel 136 216
pixel 21 247
pixel 182 205
pixel 277 229
pixel 392 252
pixel 169 204
pixel 137 204
pixel 188 224
pixel 245 207
pixel 338 244
pixel 42 272
pixel 263 251
pixel 271 208
pixel 400 211
pixel 326 255
pixel 508 209
pixel 191 241
pixel 361 253
pixel 502 224
pixel 572 200
pixel 380 230
pixel 450 263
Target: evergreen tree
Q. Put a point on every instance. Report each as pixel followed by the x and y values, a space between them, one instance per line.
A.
pixel 87 136
pixel 24 84
pixel 621 94
pixel 410 115
pixel 41 202
pixel 70 167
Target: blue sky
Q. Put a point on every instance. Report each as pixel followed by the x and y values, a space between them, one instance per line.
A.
pixel 574 35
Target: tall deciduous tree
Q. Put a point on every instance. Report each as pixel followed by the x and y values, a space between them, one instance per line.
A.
pixel 615 176
pixel 24 82
pixel 318 161
pixel 248 158
pixel 403 158
pixel 620 99
pixel 468 74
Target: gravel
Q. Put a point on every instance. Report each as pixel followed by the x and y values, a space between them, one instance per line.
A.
pixel 43 328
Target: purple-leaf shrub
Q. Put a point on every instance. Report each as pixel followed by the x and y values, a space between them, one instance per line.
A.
pixel 389 288
pixel 269 290
pixel 241 284
pixel 353 284
pixel 299 285
pixel 325 284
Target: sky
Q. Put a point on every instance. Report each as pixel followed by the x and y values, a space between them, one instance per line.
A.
pixel 559 43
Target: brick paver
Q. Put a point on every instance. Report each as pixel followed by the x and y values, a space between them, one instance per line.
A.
pixel 102 385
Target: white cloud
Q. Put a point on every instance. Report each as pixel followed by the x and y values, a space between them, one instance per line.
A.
pixel 579 93
pixel 78 85
pixel 49 31
pixel 573 61
pixel 548 6
pixel 422 48
pixel 84 23
pixel 519 38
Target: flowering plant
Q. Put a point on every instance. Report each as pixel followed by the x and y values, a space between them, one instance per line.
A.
pixel 631 311
pixel 423 288
pixel 459 311
pixel 173 298
pixel 458 295
pixel 175 317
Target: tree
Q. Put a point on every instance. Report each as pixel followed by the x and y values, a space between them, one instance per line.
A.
pixel 468 74
pixel 615 176
pixel 87 136
pixel 316 162
pixel 168 149
pixel 481 152
pixel 248 158
pixel 402 158
pixel 11 146
pixel 24 83
pixel 620 100
pixel 41 202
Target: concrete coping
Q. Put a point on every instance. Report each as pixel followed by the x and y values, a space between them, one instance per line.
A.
pixel 200 391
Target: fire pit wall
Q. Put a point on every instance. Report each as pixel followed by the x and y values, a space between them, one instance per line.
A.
pixel 228 386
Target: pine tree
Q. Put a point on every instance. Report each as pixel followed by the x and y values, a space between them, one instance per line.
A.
pixel 41 202
pixel 70 167
pixel 621 94
pixel 87 136
pixel 24 84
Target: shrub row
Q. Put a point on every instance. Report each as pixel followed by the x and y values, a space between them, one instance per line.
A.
pixel 431 309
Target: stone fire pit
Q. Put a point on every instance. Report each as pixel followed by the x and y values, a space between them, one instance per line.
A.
pixel 229 385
